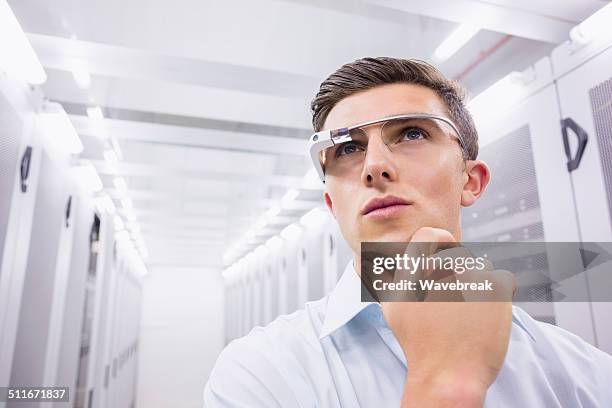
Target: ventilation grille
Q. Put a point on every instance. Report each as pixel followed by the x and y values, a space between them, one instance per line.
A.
pixel 10 128
pixel 509 209
pixel 601 104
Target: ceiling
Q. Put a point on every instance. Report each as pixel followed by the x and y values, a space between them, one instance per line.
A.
pixel 206 103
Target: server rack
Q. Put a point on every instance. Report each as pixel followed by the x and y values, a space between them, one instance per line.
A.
pixel 584 85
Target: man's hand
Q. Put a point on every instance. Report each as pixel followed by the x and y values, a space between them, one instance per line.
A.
pixel 454 349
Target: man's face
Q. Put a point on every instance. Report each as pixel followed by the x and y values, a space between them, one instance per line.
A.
pixel 433 181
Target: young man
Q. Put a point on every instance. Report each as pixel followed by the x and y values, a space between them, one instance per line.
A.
pixel 398 183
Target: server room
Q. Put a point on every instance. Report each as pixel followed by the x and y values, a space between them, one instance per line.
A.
pixel 209 203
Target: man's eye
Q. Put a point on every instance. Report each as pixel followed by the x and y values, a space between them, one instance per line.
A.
pixel 348 148
pixel 413 134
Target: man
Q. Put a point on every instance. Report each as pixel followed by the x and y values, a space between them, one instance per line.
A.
pixel 398 180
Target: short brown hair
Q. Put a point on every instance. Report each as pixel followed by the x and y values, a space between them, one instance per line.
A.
pixel 367 73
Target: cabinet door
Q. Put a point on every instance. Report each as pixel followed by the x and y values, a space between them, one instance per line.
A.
pixel 35 317
pixel 585 95
pixel 529 193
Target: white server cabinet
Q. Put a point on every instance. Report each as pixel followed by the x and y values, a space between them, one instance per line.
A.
pixel 336 254
pixel 76 294
pixel 585 92
pixel 261 292
pixel 94 374
pixel 302 272
pixel 20 151
pixel 249 295
pixel 290 255
pixel 266 301
pixel 329 257
pixel 584 83
pixel 243 298
pixel 530 190
pixel 233 324
pixel 315 224
pixel 282 278
pixel 86 307
pixel 41 310
pixel 119 388
pixel 228 307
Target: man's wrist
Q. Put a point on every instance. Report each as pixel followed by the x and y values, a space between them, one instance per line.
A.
pixel 443 391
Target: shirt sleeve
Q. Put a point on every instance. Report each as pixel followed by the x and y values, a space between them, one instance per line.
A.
pixel 244 376
pixel 604 376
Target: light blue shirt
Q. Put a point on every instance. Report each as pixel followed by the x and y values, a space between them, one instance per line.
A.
pixel 339 352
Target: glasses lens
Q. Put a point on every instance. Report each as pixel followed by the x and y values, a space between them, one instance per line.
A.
pixel 402 136
pixel 407 133
pixel 348 152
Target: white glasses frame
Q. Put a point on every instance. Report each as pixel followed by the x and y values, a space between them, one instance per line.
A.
pixel 328 138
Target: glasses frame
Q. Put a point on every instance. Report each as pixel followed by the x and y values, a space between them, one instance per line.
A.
pixel 328 138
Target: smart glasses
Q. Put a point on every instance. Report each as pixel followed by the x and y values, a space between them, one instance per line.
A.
pixel 344 149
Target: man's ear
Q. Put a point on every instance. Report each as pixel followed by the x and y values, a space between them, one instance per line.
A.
pixel 477 176
pixel 329 203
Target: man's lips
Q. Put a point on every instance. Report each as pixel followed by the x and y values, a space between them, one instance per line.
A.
pixel 378 203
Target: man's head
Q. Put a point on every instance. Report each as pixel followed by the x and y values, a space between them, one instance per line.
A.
pixel 429 171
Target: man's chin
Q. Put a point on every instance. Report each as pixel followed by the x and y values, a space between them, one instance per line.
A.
pixel 396 235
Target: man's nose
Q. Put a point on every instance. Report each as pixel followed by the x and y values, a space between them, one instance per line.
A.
pixel 379 165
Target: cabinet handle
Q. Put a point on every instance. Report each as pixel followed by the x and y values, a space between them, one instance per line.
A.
pixel 68 210
pixel 24 170
pixel 583 137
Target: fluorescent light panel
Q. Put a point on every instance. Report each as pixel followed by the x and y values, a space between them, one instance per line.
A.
pixel 81 77
pixel 455 41
pixel 95 113
pixel 120 184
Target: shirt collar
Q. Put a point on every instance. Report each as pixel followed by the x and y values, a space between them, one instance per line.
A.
pixel 344 302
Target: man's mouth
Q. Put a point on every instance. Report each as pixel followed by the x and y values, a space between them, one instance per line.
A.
pixel 384 206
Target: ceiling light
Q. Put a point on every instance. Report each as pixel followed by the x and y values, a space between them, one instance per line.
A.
pixel 95 113
pixel 110 157
pixel 81 77
pixel 87 177
pixel 273 212
pixel 120 184
pixel 289 196
pixel 130 216
pixel 127 203
pixel 17 57
pixel 454 42
pixel 57 124
pixel 311 180
pixel 594 26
